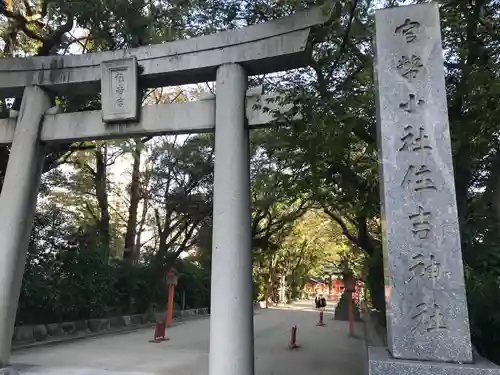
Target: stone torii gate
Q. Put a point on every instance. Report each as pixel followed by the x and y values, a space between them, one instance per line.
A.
pixel 228 58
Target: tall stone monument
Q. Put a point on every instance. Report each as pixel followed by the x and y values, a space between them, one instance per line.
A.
pixel 427 319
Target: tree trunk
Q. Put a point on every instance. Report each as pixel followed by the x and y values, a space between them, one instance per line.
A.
pixel 131 254
pixel 102 198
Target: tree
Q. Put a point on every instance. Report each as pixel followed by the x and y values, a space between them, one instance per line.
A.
pixel 314 241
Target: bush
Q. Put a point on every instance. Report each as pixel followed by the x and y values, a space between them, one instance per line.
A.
pixel 80 284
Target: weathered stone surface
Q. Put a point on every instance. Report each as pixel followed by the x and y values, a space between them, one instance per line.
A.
pixel 17 206
pixel 68 327
pixel 427 315
pixel 40 332
pixel 185 118
pixel 380 362
pixel 119 90
pixel 8 371
pixel 136 319
pixel 375 332
pixel 81 326
pixel 146 318
pixel 54 329
pixel 94 324
pixel 97 325
pixel 24 334
pixel 274 46
pixel 127 321
pixel 116 322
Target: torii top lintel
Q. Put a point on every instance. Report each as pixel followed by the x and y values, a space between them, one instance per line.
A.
pixel 268 47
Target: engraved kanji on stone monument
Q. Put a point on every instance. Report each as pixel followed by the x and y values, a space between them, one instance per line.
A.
pixel 421 222
pixel 422 266
pixel 419 178
pixel 427 316
pixel 409 30
pixel 411 104
pixel 414 141
pixel 119 90
pixel 410 66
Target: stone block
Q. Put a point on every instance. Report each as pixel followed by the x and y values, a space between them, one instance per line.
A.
pixel 8 371
pixel 380 362
pixel 24 334
pixel 81 326
pixel 40 332
pixel 146 318
pixel 136 319
pixel 69 328
pixel 127 321
pixel 427 317
pixel 54 329
pixel 94 324
pixel 97 325
pixel 119 90
pixel 116 322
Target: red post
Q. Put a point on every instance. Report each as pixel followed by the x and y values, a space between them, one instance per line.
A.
pixel 170 307
pixel 293 338
pixel 171 281
pixel 320 323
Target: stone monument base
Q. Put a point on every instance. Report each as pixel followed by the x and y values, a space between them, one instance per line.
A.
pixel 380 362
pixel 8 371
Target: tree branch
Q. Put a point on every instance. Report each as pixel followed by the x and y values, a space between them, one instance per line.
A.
pixel 345 38
pixel 343 226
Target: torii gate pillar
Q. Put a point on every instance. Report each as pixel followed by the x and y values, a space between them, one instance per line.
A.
pixel 231 311
pixel 17 208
